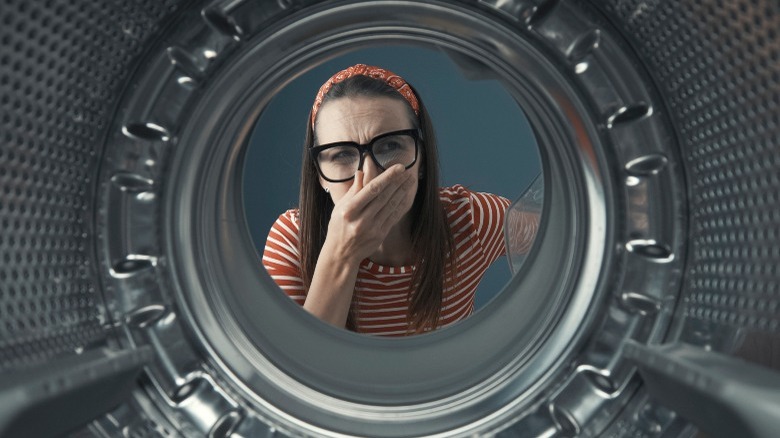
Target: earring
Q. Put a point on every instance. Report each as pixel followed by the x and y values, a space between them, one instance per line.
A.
pixel 327 189
pixel 420 175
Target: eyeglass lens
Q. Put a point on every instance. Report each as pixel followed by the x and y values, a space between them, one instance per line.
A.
pixel 341 162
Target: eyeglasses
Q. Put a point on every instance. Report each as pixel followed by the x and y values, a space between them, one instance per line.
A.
pixel 338 162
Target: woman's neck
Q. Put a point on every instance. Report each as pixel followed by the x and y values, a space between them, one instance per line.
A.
pixel 396 250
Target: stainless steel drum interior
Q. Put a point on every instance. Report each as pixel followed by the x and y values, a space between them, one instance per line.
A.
pixel 132 302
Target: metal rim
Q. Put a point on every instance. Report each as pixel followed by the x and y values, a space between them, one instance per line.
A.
pixel 360 394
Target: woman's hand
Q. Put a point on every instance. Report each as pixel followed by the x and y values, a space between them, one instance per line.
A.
pixel 360 223
pixel 364 216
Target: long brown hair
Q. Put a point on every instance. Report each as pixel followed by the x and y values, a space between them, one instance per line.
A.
pixel 432 241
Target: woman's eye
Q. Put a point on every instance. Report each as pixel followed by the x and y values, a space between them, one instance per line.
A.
pixel 389 146
pixel 339 156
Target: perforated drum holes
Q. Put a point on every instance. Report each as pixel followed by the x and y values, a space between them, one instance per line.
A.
pixel 719 65
pixel 61 65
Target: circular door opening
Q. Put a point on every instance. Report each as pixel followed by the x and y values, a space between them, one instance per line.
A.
pixel 274 348
pixel 485 142
pixel 529 355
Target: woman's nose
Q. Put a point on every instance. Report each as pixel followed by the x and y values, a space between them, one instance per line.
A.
pixel 370 169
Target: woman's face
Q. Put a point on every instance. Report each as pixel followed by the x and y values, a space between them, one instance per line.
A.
pixel 359 120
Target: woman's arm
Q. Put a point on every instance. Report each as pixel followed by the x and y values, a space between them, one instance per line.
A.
pixel 488 212
pixel 491 214
pixel 359 223
pixel 330 295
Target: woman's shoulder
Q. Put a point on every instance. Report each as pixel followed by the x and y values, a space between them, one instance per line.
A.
pixel 285 231
pixel 290 218
pixel 459 193
pixel 456 201
pixel 454 194
pixel 455 198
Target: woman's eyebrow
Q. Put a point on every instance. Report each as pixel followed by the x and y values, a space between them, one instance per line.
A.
pixel 339 142
pixel 363 144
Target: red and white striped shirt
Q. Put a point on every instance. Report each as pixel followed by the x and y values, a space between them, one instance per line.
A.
pixel 382 292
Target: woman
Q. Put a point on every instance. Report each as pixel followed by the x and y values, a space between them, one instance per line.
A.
pixel 376 246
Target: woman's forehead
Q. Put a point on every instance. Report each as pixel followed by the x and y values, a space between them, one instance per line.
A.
pixel 360 119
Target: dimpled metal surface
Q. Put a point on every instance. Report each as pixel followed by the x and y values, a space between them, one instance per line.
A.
pixel 718 64
pixel 62 64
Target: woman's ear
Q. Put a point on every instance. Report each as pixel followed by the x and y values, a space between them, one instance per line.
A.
pixel 324 185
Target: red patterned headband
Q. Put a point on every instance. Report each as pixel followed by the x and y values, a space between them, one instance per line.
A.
pixel 388 77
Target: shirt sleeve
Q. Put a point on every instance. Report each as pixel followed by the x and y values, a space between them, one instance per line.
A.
pixel 523 226
pixel 282 258
pixel 488 212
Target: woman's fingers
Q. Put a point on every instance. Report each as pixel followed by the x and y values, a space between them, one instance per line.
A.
pixel 358 182
pixel 398 204
pixel 389 198
pixel 377 190
pixel 382 202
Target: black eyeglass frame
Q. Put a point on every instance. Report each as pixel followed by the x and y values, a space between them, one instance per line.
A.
pixel 363 148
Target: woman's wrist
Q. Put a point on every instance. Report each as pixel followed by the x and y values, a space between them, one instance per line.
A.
pixel 339 255
pixel 333 284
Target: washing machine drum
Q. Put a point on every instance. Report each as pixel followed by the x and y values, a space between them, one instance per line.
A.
pixel 133 302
